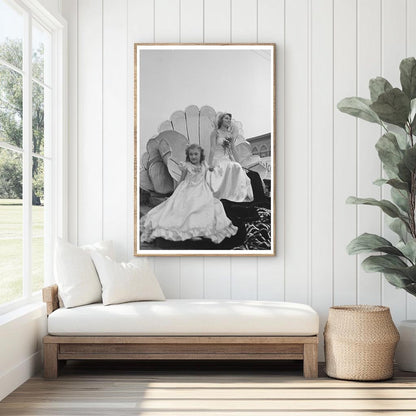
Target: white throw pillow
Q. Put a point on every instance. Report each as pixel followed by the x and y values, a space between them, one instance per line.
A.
pixel 103 247
pixel 75 273
pixel 126 282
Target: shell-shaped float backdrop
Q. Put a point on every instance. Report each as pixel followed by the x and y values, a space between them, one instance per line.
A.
pixel 159 170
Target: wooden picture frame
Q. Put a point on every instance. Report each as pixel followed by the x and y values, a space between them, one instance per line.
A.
pixel 219 98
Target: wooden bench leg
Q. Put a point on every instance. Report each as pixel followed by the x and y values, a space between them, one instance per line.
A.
pixel 310 360
pixel 50 360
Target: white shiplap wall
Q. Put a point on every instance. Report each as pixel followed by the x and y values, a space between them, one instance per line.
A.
pixel 326 50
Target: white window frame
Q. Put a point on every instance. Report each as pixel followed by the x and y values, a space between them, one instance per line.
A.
pixel 58 212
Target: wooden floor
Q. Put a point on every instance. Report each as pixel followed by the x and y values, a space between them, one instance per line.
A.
pixel 191 389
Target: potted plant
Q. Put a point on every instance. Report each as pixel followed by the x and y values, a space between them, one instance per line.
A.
pixel 394 109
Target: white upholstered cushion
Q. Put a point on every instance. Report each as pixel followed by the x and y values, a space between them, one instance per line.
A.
pixel 75 273
pixel 187 317
pixel 126 282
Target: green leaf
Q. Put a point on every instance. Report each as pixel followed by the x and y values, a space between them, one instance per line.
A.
pixel 397 280
pixel 395 183
pixel 390 173
pixel 381 263
pixel 410 158
pixel 408 249
pixel 400 228
pixel 408 77
pixel 378 86
pixel 404 173
pixel 389 151
pixel 398 184
pixel 359 107
pixel 401 137
pixel 396 271
pixel 380 182
pixel 410 272
pixel 389 208
pixel 411 289
pixel 400 198
pixel 366 243
pixel 392 107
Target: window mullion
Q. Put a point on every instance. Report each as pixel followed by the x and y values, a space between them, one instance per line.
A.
pixel 12 67
pixel 27 157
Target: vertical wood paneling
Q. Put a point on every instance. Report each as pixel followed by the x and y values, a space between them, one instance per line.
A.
pixel 393 51
pixel 321 33
pixel 345 152
pixel 369 168
pixel 411 28
pixel 244 21
pixel 191 31
pixel 217 278
pixel 244 29
pixel 168 270
pixel 315 69
pixel 140 23
pixel 115 157
pixel 70 11
pixel 140 30
pixel 167 21
pixel 90 128
pixel 167 29
pixel 217 26
pixel 192 278
pixel 192 21
pixel 217 21
pixel 244 278
pixel 271 29
pixel 296 152
pixel 394 38
pixel 411 51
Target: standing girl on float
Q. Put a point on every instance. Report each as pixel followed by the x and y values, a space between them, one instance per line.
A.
pixel 226 177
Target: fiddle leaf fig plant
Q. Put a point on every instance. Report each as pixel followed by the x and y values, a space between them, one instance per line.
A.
pixel 394 109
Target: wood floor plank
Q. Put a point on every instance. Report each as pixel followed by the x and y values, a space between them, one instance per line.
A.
pixel 277 405
pixel 221 405
pixel 155 393
pixel 122 412
pixel 92 390
pixel 280 413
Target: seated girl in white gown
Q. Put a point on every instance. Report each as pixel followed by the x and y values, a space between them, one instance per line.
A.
pixel 191 212
pixel 226 177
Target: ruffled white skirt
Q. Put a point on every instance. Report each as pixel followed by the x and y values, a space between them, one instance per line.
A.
pixel 191 212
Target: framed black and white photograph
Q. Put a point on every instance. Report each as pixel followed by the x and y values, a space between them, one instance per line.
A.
pixel 204 149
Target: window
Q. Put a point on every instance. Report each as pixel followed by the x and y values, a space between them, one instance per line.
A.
pixel 255 151
pixel 264 152
pixel 30 148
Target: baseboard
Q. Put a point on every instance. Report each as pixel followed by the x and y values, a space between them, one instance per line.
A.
pixel 10 380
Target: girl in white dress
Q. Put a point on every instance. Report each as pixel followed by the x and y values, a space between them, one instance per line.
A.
pixel 191 212
pixel 226 177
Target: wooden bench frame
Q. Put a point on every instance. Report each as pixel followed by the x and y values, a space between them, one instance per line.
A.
pixel 58 349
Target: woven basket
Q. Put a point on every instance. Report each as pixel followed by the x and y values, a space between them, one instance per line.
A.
pixel 360 341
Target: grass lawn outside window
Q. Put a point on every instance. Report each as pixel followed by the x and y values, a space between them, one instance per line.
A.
pixel 11 249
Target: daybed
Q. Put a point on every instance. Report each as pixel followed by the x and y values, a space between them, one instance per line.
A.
pixel 181 329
